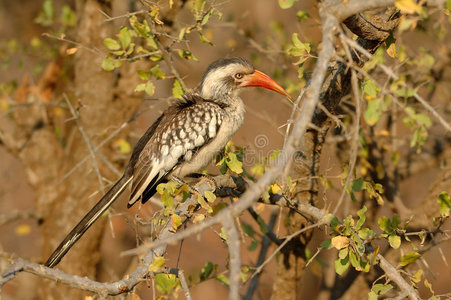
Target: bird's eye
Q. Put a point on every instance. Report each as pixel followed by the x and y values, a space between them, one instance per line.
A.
pixel 238 75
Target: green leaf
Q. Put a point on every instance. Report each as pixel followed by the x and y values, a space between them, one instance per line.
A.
pixel 253 245
pixel 373 111
pixel 204 39
pixel 409 258
pixel 394 240
pixel 355 260
pixel 247 229
pixel 380 289
pixel 204 204
pixel 124 37
pixel 284 4
pixel 395 221
pixel 370 88
pixel 366 233
pixel 144 75
pixel 223 279
pixel 111 44
pixel 423 120
pixel 357 185
pixel 156 71
pixel 109 63
pixel 148 88
pixel 157 263
pixel 233 163
pixel 186 54
pixel 206 17
pixel 165 282
pixel 199 5
pixel 300 45
pixel 150 42
pixel 210 196
pixel 385 224
pixel 405 92
pixel 206 271
pixel 444 202
pixel 177 90
pixel 47 15
pixel 362 218
pixel 341 265
pixel 302 15
pixel 326 244
pixel 372 296
pixel 343 253
pixel 142 29
pixel 68 16
pixel 416 277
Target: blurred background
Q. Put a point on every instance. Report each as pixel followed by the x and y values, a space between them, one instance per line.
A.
pixel 36 60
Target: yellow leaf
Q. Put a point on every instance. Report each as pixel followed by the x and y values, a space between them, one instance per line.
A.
pixel 275 188
pixel 71 51
pixel 408 6
pixel 429 286
pixel 198 218
pixel 176 221
pixel 259 208
pixel 210 196
pixel 340 242
pixel 122 146
pixel 23 229
pixel 157 263
pixel 4 105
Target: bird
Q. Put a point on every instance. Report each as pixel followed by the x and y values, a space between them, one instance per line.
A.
pixel 183 140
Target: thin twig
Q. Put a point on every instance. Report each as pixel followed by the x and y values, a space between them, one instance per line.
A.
pixel 88 142
pixel 355 139
pixel 286 240
pixel 17 215
pixel 390 73
pixel 184 284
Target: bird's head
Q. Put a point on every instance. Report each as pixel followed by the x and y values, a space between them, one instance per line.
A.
pixel 226 76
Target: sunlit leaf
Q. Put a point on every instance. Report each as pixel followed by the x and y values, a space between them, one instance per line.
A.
pixel 394 241
pixel 177 90
pixel 409 258
pixel 176 221
pixel 341 265
pixel 157 263
pixel 340 242
pixel 284 4
pixel 210 196
pixel 408 6
pixel 165 282
pixel 444 202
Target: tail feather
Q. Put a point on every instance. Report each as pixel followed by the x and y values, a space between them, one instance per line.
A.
pixel 88 220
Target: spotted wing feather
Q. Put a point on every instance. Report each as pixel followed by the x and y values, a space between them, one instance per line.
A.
pixel 187 127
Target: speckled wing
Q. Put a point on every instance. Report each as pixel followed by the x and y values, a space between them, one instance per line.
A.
pixel 186 128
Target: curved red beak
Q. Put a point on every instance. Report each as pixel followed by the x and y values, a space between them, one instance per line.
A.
pixel 260 79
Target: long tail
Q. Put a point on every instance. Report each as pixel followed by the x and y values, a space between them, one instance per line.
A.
pixel 88 220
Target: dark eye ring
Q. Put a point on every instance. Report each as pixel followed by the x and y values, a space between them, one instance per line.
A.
pixel 238 75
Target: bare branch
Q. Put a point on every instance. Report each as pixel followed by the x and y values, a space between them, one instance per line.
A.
pixel 233 242
pixel 394 275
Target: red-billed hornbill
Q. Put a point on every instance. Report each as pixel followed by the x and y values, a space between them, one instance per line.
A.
pixel 183 140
